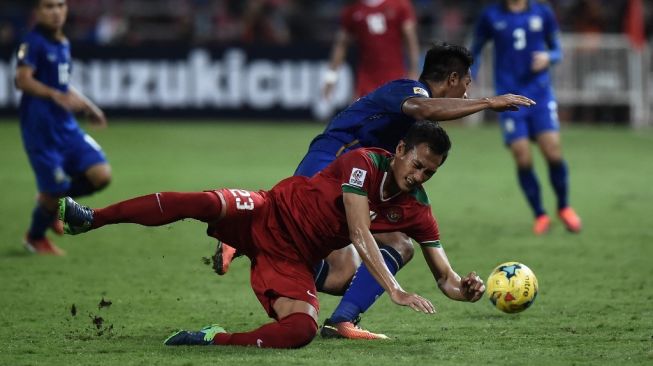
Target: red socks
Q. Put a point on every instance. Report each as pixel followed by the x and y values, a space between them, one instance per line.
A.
pixel 160 209
pixel 294 331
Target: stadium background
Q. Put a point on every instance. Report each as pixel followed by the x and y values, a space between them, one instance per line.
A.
pixel 249 125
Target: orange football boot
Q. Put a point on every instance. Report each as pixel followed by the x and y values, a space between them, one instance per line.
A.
pixel 348 330
pixel 42 246
pixel 541 224
pixel 571 219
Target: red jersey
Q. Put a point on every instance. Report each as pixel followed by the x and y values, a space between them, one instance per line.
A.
pixel 378 33
pixel 309 214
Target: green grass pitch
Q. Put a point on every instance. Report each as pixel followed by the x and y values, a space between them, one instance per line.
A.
pixel 595 304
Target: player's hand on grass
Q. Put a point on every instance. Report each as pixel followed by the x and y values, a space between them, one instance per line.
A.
pixel 472 287
pixel 415 301
pixel 509 102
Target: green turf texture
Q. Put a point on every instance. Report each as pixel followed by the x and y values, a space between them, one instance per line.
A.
pixel 596 288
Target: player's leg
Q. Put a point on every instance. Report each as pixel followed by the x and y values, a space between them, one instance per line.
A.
pixel 296 327
pixel 150 210
pixel 43 217
pixel 516 136
pixel 287 293
pixel 87 166
pixel 549 143
pixel 397 250
pixel 334 274
pixel 94 179
pixel 50 178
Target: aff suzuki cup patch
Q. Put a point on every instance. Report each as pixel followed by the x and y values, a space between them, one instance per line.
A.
pixel 421 91
pixel 357 177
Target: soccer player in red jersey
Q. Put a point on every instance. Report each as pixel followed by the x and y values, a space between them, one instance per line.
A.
pixel 379 27
pixel 285 231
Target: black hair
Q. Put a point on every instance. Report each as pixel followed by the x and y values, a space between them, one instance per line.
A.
pixel 442 59
pixel 430 133
pixel 36 3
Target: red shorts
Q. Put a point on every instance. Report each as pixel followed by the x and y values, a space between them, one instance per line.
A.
pixel 277 270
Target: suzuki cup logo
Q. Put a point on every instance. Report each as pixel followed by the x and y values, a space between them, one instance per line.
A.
pixel 357 177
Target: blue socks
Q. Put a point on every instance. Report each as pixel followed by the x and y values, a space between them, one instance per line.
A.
pixel 41 220
pixel 559 176
pixel 364 290
pixel 531 189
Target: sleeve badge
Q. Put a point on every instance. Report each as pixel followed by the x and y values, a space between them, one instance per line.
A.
pixel 357 178
pixel 420 91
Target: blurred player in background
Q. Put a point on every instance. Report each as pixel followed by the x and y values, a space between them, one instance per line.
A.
pixel 526 44
pixel 65 160
pixel 378 27
pixel 381 119
pixel 286 231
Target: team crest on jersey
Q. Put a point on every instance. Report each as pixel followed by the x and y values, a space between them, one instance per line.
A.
pixel 393 214
pixel 357 177
pixel 421 91
pixel 22 51
pixel 500 25
pixel 535 23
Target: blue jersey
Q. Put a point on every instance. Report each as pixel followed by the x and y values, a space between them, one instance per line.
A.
pixel 375 120
pixel 57 148
pixel 42 120
pixel 516 36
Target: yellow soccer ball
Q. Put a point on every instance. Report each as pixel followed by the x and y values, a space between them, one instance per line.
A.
pixel 512 287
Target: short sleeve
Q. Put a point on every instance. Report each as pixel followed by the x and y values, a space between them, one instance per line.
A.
pixel 357 172
pixel 550 22
pixel 28 52
pixel 397 92
pixel 406 12
pixel 425 229
pixel 346 20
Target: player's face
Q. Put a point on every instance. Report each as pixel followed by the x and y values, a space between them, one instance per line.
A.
pixel 415 166
pixel 52 14
pixel 457 87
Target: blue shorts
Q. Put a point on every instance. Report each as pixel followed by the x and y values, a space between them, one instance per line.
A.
pixel 56 166
pixel 531 121
pixel 322 152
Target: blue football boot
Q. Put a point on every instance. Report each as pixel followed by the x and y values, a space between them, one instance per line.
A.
pixel 203 337
pixel 76 218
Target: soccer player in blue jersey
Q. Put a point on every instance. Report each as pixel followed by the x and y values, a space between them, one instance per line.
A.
pixel 381 119
pixel 526 44
pixel 66 161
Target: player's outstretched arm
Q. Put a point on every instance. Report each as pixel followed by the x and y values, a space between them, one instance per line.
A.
pixel 468 288
pixel 358 221
pixel 444 109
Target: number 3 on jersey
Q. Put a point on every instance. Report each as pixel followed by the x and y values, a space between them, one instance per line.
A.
pixel 520 38
pixel 244 199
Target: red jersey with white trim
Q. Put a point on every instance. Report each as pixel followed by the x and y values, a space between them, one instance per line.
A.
pixel 377 31
pixel 309 214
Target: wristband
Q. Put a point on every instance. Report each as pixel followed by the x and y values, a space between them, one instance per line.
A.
pixel 330 76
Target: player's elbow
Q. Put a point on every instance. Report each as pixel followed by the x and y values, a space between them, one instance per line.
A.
pixel 21 82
